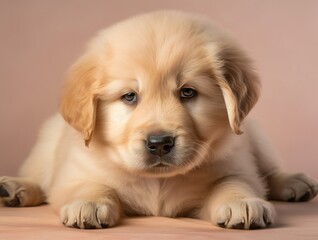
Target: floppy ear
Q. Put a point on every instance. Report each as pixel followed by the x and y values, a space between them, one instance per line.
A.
pixel 239 84
pixel 79 97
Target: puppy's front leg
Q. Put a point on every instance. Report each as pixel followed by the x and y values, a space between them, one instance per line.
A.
pixel 291 187
pixel 234 204
pixel 86 205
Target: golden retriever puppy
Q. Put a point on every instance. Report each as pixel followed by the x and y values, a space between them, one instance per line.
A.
pixel 160 102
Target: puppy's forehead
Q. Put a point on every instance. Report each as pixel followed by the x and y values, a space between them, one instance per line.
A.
pixel 155 54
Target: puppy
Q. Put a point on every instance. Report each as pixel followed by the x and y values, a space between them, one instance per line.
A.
pixel 160 102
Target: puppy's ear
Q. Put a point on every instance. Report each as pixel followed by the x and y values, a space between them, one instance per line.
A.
pixel 79 97
pixel 239 84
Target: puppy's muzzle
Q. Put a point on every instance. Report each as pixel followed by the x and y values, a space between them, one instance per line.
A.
pixel 159 145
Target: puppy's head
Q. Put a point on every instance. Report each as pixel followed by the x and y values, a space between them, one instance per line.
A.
pixel 159 92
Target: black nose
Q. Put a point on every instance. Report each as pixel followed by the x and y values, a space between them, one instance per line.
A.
pixel 159 144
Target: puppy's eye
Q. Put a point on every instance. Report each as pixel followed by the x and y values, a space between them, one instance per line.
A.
pixel 187 93
pixel 130 98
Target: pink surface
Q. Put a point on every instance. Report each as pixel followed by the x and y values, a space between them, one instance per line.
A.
pixel 296 221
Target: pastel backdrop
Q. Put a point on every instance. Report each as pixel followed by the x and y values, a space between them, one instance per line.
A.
pixel 40 39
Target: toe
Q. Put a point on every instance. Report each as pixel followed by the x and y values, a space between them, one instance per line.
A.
pixel 238 225
pixel 3 192
pixel 104 225
pixel 88 225
pixel 255 225
pixel 306 196
pixel 221 224
pixel 15 202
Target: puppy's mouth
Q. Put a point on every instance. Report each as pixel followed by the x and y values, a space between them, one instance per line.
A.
pixel 178 161
pixel 166 166
pixel 166 161
pixel 160 169
pixel 161 164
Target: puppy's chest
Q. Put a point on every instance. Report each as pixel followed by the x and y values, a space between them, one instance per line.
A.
pixel 161 198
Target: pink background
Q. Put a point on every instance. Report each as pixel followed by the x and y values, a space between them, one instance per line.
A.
pixel 39 40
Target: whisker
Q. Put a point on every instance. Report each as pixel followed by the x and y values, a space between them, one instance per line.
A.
pixel 201 150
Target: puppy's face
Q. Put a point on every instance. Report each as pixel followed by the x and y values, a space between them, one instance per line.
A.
pixel 160 119
pixel 160 94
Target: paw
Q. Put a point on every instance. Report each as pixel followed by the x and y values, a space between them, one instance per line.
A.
pixel 293 188
pixel 20 192
pixel 11 192
pixel 89 215
pixel 247 213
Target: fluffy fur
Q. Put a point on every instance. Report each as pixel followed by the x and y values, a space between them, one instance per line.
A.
pixel 214 172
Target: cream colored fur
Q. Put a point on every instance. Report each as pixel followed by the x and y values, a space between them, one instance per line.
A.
pixel 216 172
